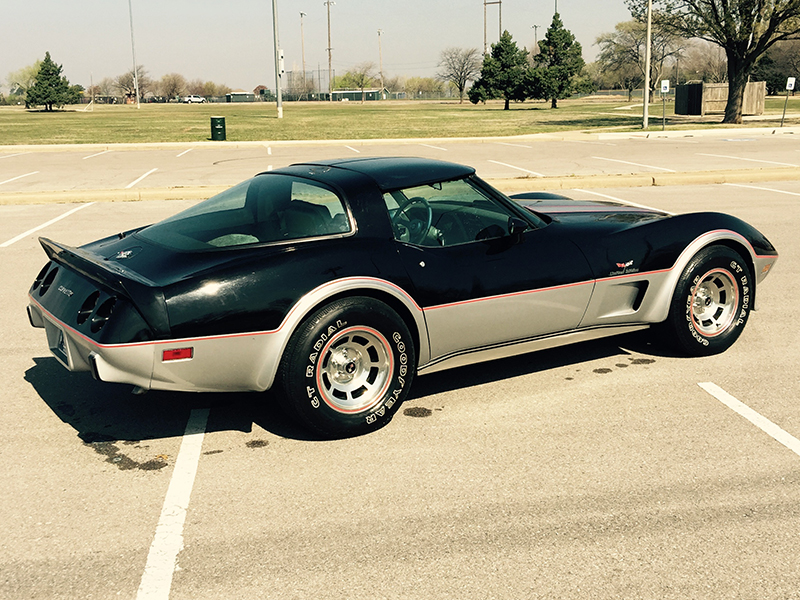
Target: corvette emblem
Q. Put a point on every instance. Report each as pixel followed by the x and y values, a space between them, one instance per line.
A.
pixel 625 265
pixel 127 253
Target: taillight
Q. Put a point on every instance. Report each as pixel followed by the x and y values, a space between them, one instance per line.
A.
pixel 102 314
pixel 37 282
pixel 87 307
pixel 48 281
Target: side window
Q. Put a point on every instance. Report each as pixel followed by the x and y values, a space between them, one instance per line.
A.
pixel 313 211
pixel 445 214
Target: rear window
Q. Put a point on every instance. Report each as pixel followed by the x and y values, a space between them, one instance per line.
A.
pixel 268 208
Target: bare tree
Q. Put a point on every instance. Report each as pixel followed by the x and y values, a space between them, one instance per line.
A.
pixel 126 84
pixel 704 61
pixel 623 51
pixel 172 85
pixel 363 76
pixel 459 66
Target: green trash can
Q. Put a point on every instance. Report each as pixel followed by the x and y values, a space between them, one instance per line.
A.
pixel 218 129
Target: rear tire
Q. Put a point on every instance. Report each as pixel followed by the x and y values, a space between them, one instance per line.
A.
pixel 711 303
pixel 348 367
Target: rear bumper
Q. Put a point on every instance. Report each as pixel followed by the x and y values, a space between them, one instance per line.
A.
pixel 242 362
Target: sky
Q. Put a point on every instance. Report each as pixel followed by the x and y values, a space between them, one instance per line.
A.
pixel 231 42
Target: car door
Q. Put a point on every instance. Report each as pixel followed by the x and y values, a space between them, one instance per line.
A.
pixel 480 280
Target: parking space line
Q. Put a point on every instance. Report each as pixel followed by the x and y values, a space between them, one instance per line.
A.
pixel 514 145
pixel 760 421
pixel 763 189
pixel 10 155
pixel 625 162
pixel 184 152
pixel 168 540
pixel 18 177
pixel 434 147
pixel 353 149
pixel 97 154
pixel 50 222
pixel 517 168
pixel 768 162
pixel 133 183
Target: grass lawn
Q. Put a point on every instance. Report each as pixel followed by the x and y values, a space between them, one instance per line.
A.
pixel 320 120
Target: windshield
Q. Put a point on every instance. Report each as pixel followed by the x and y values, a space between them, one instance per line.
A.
pixel 267 208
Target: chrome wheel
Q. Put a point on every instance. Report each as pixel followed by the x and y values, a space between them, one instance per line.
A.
pixel 355 369
pixel 714 302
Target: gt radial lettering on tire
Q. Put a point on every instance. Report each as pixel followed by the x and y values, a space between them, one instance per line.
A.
pixel 354 369
pixel 348 367
pixel 711 303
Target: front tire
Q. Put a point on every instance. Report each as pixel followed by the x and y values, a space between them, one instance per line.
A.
pixel 711 303
pixel 348 367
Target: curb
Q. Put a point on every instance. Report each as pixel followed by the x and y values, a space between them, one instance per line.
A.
pixel 519 184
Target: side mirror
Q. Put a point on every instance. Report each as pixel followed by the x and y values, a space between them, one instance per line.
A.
pixel 516 227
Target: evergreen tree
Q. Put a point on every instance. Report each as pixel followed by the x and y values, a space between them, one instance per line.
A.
pixel 51 88
pixel 557 65
pixel 504 74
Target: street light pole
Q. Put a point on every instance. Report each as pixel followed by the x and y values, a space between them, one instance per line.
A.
pixel 647 54
pixel 380 57
pixel 133 51
pixel 303 51
pixel 535 39
pixel 330 67
pixel 277 58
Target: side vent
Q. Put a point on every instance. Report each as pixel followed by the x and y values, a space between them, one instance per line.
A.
pixel 87 307
pixel 103 314
pixel 48 281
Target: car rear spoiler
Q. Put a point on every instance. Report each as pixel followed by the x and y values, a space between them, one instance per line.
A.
pixel 145 295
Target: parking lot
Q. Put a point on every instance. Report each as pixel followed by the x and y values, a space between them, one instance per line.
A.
pixel 606 469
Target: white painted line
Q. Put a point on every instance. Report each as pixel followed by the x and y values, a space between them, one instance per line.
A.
pixel 621 201
pixel 353 149
pixel 760 421
pixel 18 177
pixel 434 147
pixel 168 540
pixel 269 167
pixel 184 152
pixel 594 143
pixel 517 168
pixel 133 183
pixel 269 150
pixel 514 145
pixel 97 154
pixel 625 162
pixel 763 189
pixel 50 222
pixel 768 162
pixel 10 155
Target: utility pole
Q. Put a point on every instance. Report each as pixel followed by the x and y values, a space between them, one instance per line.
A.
pixel 278 58
pixel 500 13
pixel 303 51
pixel 646 109
pixel 380 55
pixel 535 39
pixel 330 67
pixel 133 51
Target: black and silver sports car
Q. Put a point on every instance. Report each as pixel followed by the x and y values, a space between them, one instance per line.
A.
pixel 338 281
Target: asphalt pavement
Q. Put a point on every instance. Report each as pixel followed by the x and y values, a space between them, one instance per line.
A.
pixel 608 469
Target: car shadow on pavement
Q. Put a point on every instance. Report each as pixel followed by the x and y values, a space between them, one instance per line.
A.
pixel 639 343
pixel 105 412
